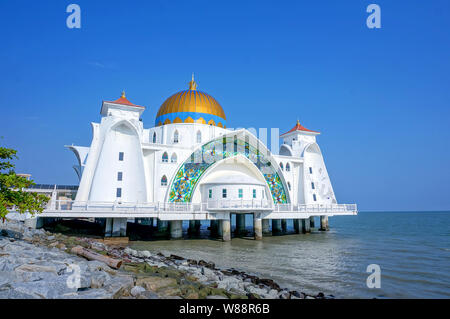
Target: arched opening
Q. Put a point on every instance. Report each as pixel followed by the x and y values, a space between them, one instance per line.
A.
pixel 281 166
pixel 173 158
pixel 164 180
pixel 199 137
pixel 154 137
pixel 288 167
pixel 289 185
pixel 165 157
pixel 176 137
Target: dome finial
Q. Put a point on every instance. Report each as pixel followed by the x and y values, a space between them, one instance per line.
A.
pixel 123 94
pixel 192 84
pixel 298 121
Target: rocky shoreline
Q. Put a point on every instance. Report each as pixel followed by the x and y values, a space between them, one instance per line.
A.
pixel 39 264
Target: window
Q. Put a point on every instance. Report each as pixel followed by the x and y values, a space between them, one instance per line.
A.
pixel 281 166
pixel 224 193
pixel 262 194
pixel 173 158
pixel 310 170
pixel 312 185
pixel 288 167
pixel 210 193
pixel 314 197
pixel 164 180
pixel 119 176
pixel 120 156
pixel 154 137
pixel 119 192
pixel 241 193
pixel 289 186
pixel 175 137
pixel 254 193
pixel 165 157
pixel 199 137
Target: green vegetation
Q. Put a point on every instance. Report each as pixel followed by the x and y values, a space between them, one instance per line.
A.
pixel 12 187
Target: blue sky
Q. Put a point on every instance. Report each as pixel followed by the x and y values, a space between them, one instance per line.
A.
pixel 379 97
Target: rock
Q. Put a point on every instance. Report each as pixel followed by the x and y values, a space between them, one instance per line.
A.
pixel 36 268
pixel 119 285
pixel 99 278
pixel 148 295
pixel 175 257
pixel 135 291
pixel 191 295
pixel 154 283
pixel 169 291
pixel 146 254
pixel 91 294
pixel 216 297
pixel 269 283
pixel 284 295
pixel 320 295
pixel 50 237
pixel 95 265
pixel 207 264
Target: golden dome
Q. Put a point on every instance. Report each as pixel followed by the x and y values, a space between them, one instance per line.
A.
pixel 191 106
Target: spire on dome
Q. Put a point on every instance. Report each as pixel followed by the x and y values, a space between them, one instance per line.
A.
pixel 123 94
pixel 192 84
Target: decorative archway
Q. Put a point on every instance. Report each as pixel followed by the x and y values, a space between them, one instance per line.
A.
pixel 191 171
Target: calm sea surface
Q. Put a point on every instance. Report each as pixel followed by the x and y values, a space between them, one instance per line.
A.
pixel 412 249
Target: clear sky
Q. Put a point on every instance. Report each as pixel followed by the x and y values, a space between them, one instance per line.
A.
pixel 380 97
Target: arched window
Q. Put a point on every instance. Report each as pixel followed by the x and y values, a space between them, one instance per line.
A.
pixel 288 167
pixel 281 166
pixel 164 180
pixel 176 137
pixel 165 157
pixel 289 184
pixel 199 137
pixel 154 137
pixel 173 158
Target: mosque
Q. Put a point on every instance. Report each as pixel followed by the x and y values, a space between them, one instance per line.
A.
pixel 189 166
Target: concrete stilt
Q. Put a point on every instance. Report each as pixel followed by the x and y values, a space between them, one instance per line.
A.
pixel 162 227
pixel 144 221
pixel 306 226
pixel 35 222
pixel 324 223
pixel 312 223
pixel 297 226
pixel 284 225
pixel 191 229
pixel 266 226
pixel 214 228
pixel 257 225
pixel 276 227
pixel 176 229
pixel 116 227
pixel 225 229
pixel 240 225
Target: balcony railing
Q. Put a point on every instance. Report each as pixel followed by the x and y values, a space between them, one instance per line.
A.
pixel 213 205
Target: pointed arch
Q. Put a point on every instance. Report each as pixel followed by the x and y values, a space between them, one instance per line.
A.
pixel 288 167
pixel 281 166
pixel 173 158
pixel 199 136
pixel 165 157
pixel 154 137
pixel 176 137
pixel 164 180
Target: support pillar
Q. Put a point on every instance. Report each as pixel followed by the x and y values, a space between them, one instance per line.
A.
pixel 297 226
pixel 144 221
pixel 324 223
pixel 276 227
pixel 257 226
pixel 176 229
pixel 306 226
pixel 266 226
pixel 312 223
pixel 35 222
pixel 162 227
pixel 225 229
pixel 116 227
pixel 240 225
pixel 214 228
pixel 284 225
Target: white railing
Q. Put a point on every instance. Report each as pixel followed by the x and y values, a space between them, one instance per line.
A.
pixel 213 205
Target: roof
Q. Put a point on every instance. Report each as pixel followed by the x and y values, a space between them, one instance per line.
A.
pixel 299 127
pixel 123 101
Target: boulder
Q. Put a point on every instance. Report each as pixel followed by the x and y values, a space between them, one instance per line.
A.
pixel 135 291
pixel 154 283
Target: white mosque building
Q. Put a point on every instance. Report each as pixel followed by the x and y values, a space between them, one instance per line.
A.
pixel 189 166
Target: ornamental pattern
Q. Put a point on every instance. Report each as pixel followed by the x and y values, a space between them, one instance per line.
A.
pixel 189 173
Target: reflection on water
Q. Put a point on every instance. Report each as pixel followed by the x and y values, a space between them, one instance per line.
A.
pixel 411 249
